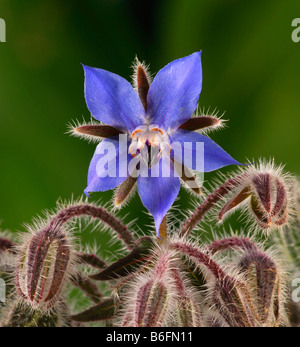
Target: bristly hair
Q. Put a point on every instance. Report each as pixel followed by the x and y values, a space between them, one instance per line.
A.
pixel 201 111
pixel 136 63
pixel 76 123
pixel 246 175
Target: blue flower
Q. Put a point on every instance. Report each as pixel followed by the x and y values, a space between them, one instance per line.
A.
pixel 154 117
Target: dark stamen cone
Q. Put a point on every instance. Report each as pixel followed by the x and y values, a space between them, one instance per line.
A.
pixel 197 123
pixel 103 131
pixel 142 85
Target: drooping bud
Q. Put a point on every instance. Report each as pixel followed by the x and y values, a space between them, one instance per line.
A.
pixel 42 267
pixel 264 282
pixel 234 302
pixel 188 313
pixel 151 304
pixel 262 278
pixel 249 294
pixel 269 193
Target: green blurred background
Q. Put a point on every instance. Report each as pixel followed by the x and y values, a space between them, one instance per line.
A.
pixel 250 68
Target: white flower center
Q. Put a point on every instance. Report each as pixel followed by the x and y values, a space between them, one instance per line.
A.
pixel 150 142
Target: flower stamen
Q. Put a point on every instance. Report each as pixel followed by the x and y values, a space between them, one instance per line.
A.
pixel 151 142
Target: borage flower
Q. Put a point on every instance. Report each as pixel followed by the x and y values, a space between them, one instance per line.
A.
pixel 146 132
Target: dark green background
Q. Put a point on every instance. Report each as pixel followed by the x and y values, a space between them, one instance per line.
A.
pixel 250 70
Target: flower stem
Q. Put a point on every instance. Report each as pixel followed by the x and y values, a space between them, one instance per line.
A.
pixel 208 204
pixel 95 212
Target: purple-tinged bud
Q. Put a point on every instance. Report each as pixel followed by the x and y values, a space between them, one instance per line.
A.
pixel 244 294
pixel 264 280
pixel 42 267
pixel 188 313
pixel 261 276
pixel 270 196
pixel 151 304
pixel 234 302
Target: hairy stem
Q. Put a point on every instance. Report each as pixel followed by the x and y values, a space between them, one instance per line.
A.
pixel 208 204
pixel 95 212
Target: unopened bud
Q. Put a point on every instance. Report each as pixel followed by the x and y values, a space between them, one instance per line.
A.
pixel 42 267
pixel 269 193
pixel 264 282
pixel 188 313
pixel 151 304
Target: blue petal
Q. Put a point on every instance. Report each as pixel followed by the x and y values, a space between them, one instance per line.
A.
pixel 159 193
pixel 111 159
pixel 112 100
pixel 214 156
pixel 174 93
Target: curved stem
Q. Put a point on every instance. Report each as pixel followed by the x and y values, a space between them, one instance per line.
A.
pixel 96 212
pixel 208 204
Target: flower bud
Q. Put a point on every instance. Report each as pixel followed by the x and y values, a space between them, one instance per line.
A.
pixel 42 267
pixel 151 304
pixel 264 281
pixel 269 193
pixel 188 313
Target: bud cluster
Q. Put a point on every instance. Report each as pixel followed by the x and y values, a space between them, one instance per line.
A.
pixel 169 281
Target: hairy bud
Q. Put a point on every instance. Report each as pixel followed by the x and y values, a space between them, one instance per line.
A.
pixel 269 196
pixel 151 304
pixel 42 267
